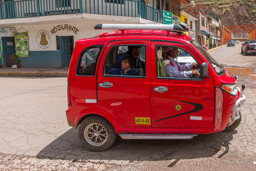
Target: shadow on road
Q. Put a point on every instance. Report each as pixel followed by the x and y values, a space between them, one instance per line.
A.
pixel 68 147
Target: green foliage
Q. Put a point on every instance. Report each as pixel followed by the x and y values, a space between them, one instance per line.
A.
pixel 253 11
pixel 247 16
pixel 249 4
pixel 15 58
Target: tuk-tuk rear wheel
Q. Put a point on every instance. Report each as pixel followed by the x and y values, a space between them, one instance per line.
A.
pixel 96 134
pixel 234 125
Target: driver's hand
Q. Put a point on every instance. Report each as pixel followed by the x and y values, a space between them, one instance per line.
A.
pixel 196 73
pixel 195 65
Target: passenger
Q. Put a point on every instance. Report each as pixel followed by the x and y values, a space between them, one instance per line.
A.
pixel 122 67
pixel 134 57
pixel 174 69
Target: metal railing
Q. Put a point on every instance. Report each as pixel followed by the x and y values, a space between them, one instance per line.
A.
pixel 37 8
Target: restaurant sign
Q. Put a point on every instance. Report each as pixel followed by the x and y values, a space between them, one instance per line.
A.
pixel 64 27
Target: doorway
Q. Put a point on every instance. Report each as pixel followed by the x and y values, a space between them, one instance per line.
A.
pixel 8 50
pixel 66 49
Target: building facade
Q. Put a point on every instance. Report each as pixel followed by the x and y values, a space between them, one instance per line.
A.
pixel 43 32
pixel 208 24
pixel 191 21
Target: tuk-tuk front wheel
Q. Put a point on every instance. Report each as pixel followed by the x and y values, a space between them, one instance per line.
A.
pixel 234 125
pixel 96 134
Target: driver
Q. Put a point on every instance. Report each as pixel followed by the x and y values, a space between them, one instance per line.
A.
pixel 174 69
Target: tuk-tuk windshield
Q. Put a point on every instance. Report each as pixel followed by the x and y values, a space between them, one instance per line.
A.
pixel 217 67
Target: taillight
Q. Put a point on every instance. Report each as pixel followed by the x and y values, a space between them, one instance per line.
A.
pixel 218 109
pixel 69 95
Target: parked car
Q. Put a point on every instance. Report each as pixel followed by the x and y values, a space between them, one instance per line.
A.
pixel 231 43
pixel 147 103
pixel 248 47
pixel 237 42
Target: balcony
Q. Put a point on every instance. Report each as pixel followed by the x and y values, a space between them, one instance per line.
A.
pixel 38 8
pixel 213 23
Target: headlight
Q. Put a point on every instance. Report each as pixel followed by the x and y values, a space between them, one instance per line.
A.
pixel 230 88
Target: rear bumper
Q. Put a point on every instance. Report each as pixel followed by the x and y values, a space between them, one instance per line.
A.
pixel 70 123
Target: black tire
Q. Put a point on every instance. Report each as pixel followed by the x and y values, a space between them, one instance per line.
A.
pixel 242 51
pixel 234 125
pixel 102 134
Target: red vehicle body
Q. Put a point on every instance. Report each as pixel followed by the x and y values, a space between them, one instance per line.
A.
pixel 133 107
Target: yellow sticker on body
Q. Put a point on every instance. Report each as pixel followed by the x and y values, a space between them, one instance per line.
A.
pixel 143 120
pixel 178 107
pixel 227 74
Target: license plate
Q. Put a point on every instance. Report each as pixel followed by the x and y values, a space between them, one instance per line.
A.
pixel 142 120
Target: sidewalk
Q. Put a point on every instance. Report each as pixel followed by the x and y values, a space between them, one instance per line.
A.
pixel 213 49
pixel 33 72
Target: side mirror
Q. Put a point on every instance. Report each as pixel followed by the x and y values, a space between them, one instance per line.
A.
pixel 204 70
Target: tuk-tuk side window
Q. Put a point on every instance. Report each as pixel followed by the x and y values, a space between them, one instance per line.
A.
pixel 174 62
pixel 88 61
pixel 125 60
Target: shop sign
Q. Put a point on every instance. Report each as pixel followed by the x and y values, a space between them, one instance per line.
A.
pixel 43 39
pixel 21 44
pixel 5 32
pixel 167 17
pixel 9 43
pixel 64 27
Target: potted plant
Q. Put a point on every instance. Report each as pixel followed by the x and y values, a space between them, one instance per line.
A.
pixel 16 60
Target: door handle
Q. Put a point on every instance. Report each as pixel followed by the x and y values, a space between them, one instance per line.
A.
pixel 161 89
pixel 106 84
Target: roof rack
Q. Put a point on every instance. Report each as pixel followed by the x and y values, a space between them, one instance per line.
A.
pixel 172 27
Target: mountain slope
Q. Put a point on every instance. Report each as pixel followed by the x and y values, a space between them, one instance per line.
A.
pixel 234 12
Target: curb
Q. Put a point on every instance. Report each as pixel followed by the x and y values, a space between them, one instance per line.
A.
pixel 33 74
pixel 210 50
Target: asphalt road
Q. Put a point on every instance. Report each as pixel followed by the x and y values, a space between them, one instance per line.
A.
pixel 34 134
pixel 231 56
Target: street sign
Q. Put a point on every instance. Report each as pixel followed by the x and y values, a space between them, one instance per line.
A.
pixel 167 17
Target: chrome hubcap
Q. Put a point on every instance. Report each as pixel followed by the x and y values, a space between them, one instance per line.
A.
pixel 95 134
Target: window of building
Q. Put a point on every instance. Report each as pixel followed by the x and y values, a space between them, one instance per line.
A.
pixel 186 21
pixel 167 6
pixel 88 60
pixel 202 21
pixel 63 3
pixel 158 5
pixel 191 25
pixel 115 1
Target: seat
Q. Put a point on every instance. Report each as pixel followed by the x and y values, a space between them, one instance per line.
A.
pixel 164 64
